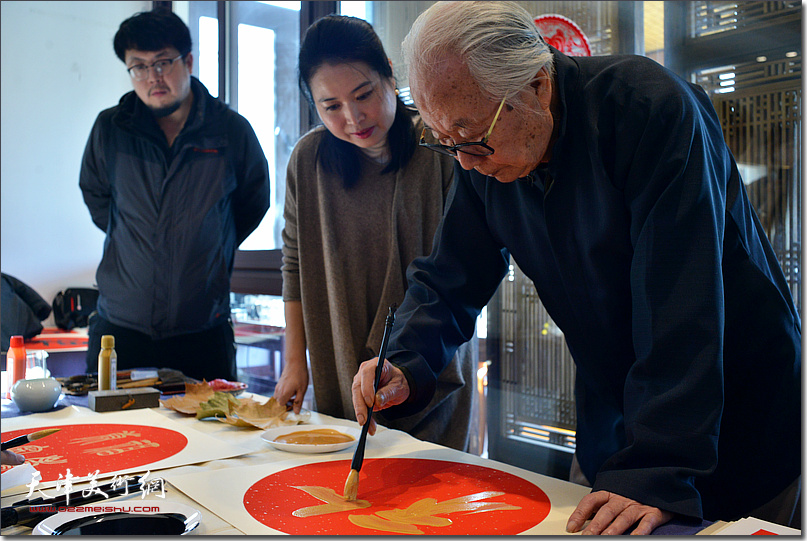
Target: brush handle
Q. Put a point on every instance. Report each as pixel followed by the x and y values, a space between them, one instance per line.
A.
pixel 16 442
pixel 358 456
pixel 388 323
pixel 22 515
pixel 77 497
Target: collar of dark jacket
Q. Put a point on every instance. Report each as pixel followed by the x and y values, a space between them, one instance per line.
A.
pixel 566 76
pixel 134 115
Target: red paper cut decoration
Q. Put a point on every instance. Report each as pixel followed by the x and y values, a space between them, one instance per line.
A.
pixel 563 34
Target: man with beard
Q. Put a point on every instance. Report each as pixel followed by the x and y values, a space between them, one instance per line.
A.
pixel 177 181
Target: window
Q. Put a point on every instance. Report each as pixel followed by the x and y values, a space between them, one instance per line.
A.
pixel 362 10
pixel 258 80
pixel 247 55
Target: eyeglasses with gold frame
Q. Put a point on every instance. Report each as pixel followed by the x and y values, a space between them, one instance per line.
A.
pixel 479 148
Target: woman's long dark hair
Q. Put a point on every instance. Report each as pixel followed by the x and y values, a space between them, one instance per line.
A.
pixel 337 39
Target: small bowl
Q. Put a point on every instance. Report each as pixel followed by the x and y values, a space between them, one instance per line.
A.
pixel 36 395
pixel 270 435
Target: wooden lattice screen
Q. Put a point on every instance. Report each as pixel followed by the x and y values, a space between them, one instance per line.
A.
pixel 537 396
pixel 709 17
pixel 761 119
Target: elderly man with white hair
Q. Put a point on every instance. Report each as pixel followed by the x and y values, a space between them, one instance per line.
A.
pixel 608 181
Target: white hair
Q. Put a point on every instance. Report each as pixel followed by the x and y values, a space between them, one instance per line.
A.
pixel 498 42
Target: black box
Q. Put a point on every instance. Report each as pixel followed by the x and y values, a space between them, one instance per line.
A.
pixel 124 399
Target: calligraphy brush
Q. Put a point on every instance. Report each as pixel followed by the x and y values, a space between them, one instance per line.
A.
pixel 352 482
pixel 113 487
pixel 22 440
pixel 27 512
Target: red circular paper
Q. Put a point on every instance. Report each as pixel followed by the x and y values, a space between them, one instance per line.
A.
pixel 563 34
pixel 396 483
pixel 70 448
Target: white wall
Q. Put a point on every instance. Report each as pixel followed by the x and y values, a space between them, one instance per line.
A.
pixel 58 71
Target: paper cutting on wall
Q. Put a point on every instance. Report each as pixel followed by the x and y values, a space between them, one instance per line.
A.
pixel 563 34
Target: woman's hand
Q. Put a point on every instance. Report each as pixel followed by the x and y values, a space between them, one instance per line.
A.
pixel 614 514
pixel 393 389
pixel 293 383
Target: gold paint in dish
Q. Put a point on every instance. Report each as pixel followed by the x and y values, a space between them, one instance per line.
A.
pixel 319 436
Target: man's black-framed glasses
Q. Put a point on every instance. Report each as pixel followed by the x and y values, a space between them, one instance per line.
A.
pixel 140 72
pixel 479 148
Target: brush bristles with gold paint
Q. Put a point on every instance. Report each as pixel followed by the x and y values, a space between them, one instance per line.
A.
pixel 28 438
pixel 352 482
pixel 352 485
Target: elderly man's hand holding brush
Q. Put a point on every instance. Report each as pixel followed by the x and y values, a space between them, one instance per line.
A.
pixel 393 389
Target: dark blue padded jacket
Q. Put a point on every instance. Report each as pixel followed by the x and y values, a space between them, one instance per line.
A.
pixel 173 216
pixel 646 252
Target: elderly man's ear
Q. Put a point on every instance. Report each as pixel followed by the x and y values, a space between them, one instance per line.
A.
pixel 542 86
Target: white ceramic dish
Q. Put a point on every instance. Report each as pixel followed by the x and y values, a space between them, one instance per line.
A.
pixel 51 524
pixel 270 435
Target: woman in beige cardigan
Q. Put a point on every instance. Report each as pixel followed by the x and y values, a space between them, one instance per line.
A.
pixel 362 201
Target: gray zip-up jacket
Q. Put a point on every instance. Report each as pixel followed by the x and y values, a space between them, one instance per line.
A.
pixel 173 216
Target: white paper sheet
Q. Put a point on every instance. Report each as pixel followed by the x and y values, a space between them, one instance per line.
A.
pixel 17 476
pixel 755 526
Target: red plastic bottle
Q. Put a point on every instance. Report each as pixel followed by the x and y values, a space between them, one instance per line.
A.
pixel 15 362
